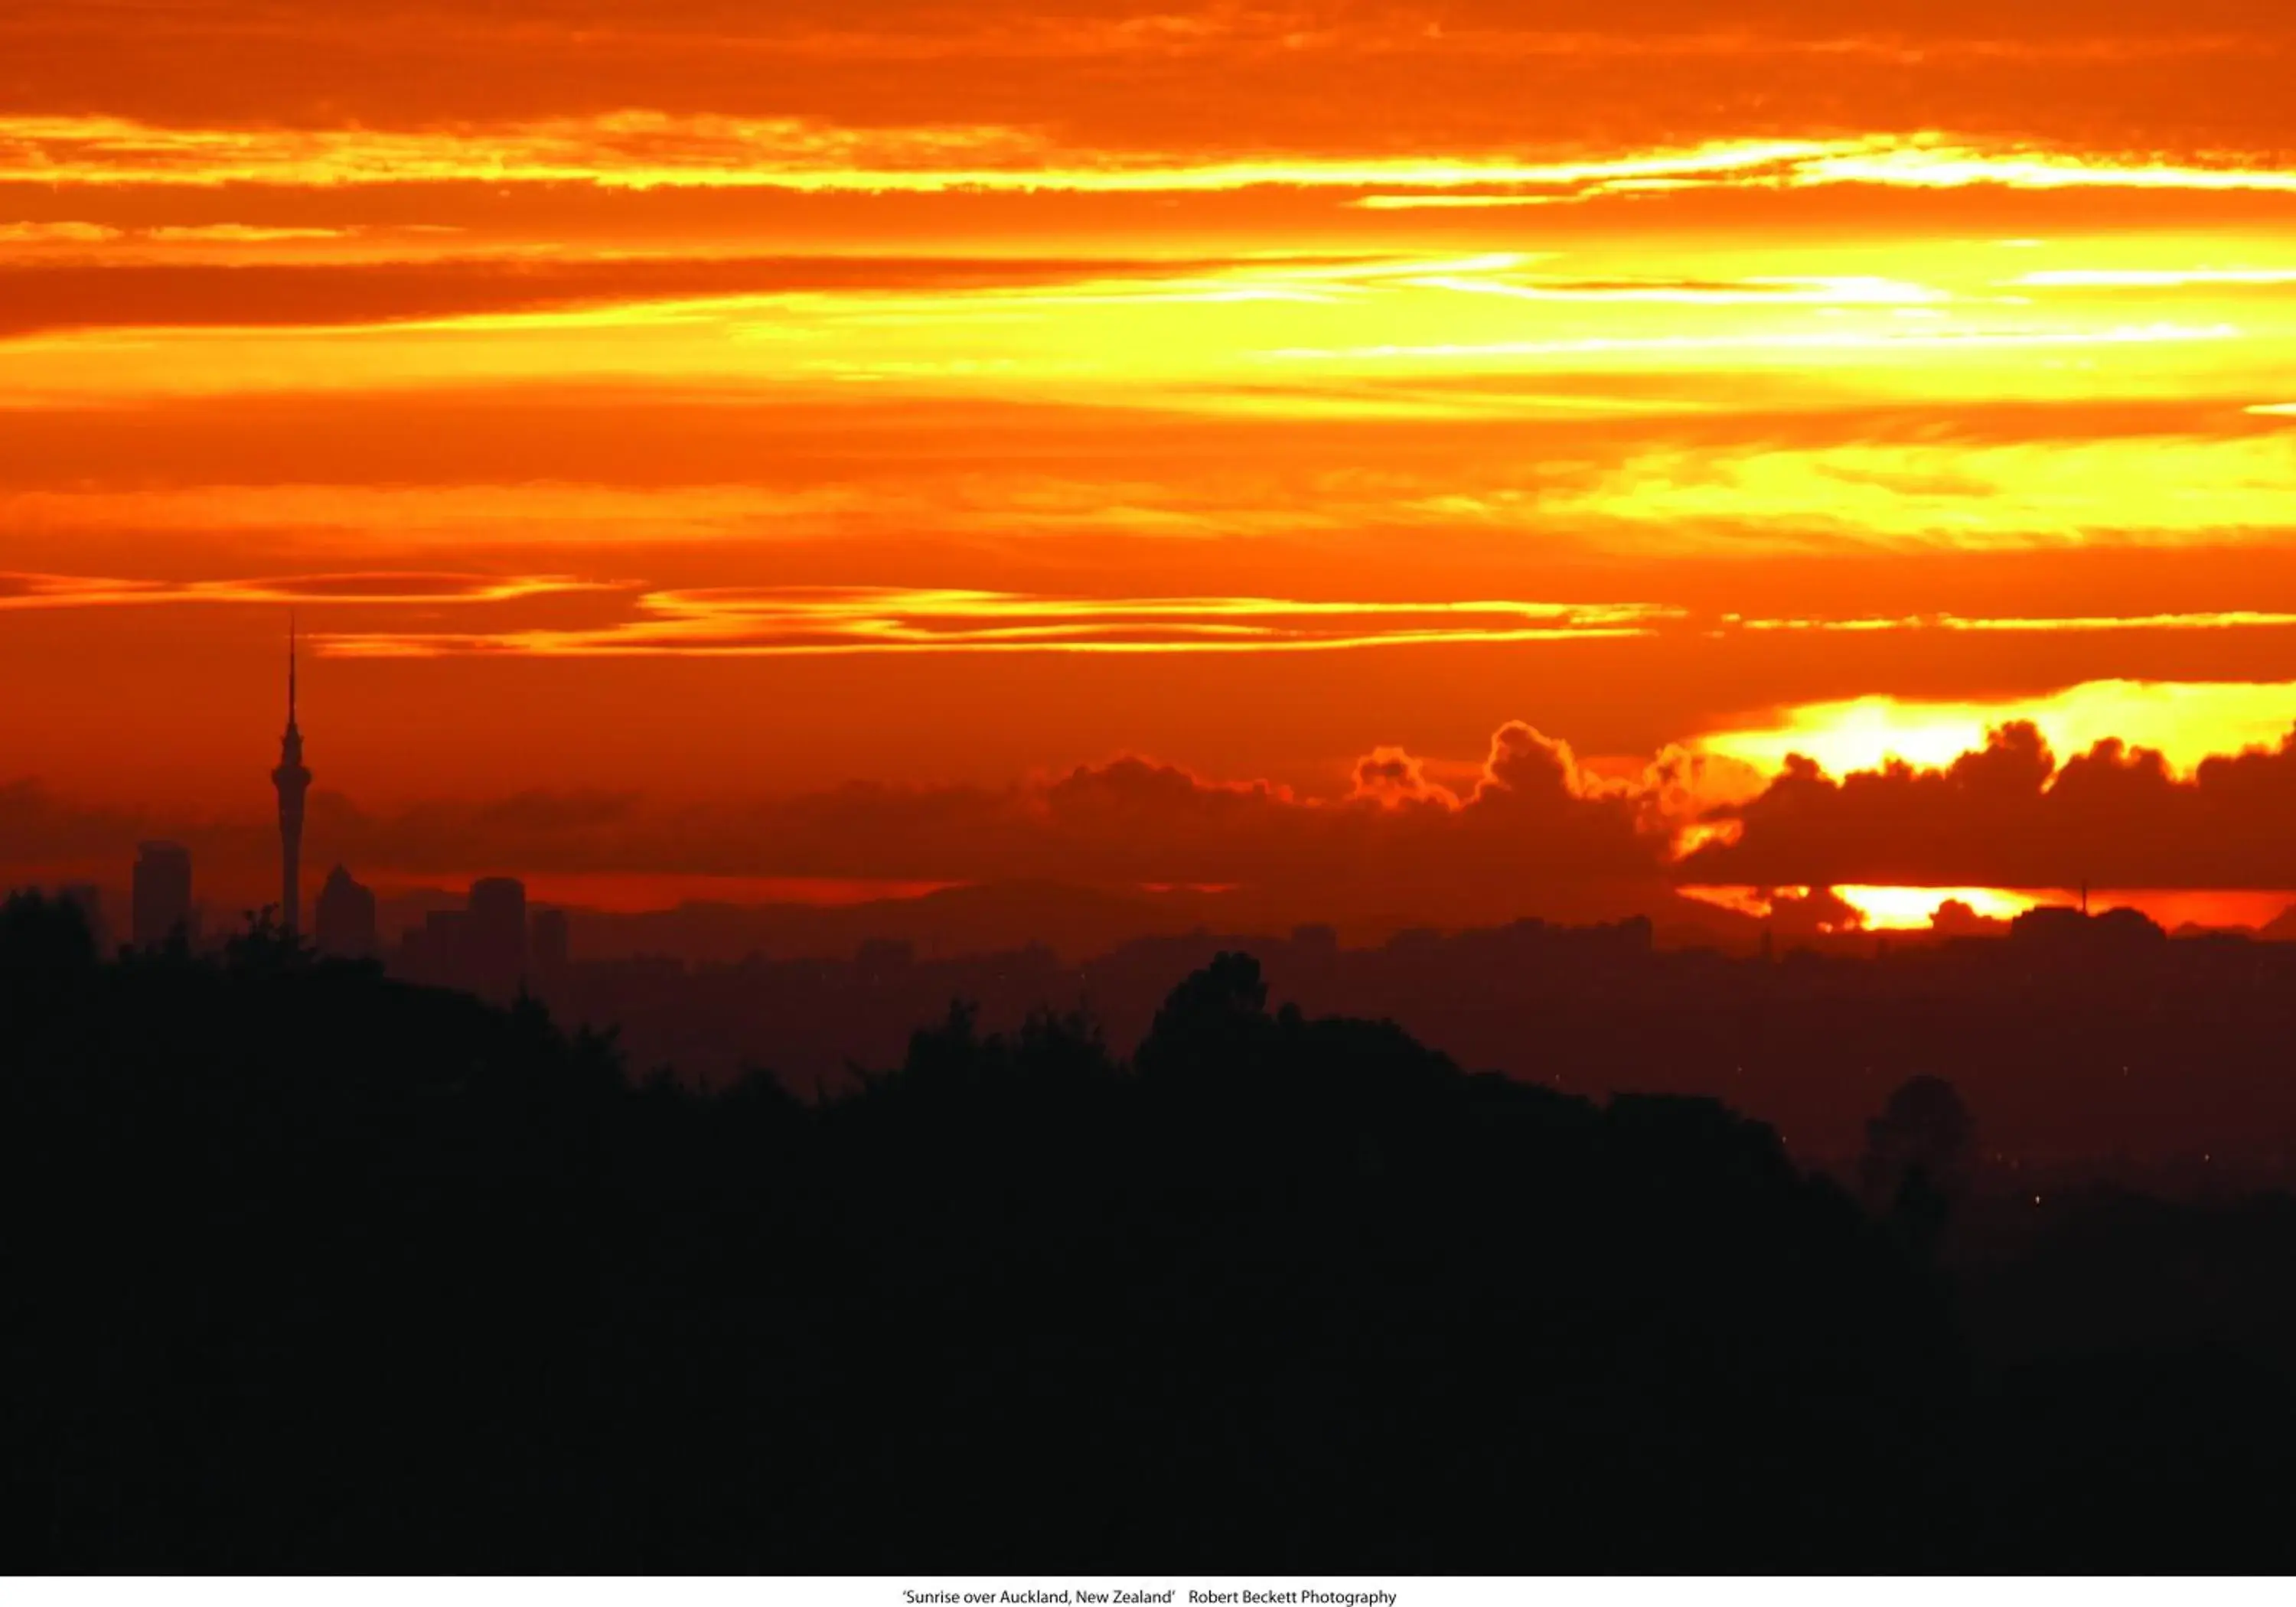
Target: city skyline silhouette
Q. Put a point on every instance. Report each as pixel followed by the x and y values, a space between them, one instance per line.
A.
pixel 710 993
pixel 1629 876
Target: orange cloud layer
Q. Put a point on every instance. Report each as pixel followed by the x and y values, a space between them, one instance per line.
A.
pixel 831 372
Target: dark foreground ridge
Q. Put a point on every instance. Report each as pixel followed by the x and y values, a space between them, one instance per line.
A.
pixel 305 1269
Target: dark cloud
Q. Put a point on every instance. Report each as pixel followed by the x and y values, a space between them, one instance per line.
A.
pixel 1535 836
pixel 2012 816
pixel 1819 910
pixel 1956 918
pixel 1397 778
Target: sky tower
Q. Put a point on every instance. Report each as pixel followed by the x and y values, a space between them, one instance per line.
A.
pixel 293 780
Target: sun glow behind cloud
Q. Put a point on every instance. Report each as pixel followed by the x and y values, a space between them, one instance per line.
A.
pixel 1909 909
pixel 2186 722
pixel 1885 908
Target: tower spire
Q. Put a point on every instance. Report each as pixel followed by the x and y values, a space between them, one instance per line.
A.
pixel 293 780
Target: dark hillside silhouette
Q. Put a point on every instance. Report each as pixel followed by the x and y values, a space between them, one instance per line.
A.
pixel 312 1270
pixel 2071 1042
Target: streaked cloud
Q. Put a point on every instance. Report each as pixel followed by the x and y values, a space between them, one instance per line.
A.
pixel 1778 345
pixel 2172 491
pixel 140 292
pixel 2218 619
pixel 1593 481
pixel 1936 353
pixel 649 150
pixel 793 621
pixel 19 591
pixel 1937 161
pixel 58 234
pixel 2148 279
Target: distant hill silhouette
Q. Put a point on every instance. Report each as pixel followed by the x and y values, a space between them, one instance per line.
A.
pixel 1078 922
pixel 309 1270
pixel 2072 1040
pixel 952 921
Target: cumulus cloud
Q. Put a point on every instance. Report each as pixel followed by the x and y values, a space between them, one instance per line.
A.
pixel 1536 834
pixel 1537 831
pixel 1819 910
pixel 1958 918
pixel 2011 814
pixel 1396 779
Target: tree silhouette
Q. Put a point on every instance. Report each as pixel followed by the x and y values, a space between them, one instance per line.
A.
pixel 1215 1019
pixel 309 1269
pixel 265 945
pixel 1919 1152
pixel 47 959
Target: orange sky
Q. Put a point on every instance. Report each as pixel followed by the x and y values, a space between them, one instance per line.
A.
pixel 709 407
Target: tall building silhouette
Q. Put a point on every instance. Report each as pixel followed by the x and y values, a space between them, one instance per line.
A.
pixel 432 952
pixel 293 780
pixel 162 896
pixel 493 939
pixel 344 917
